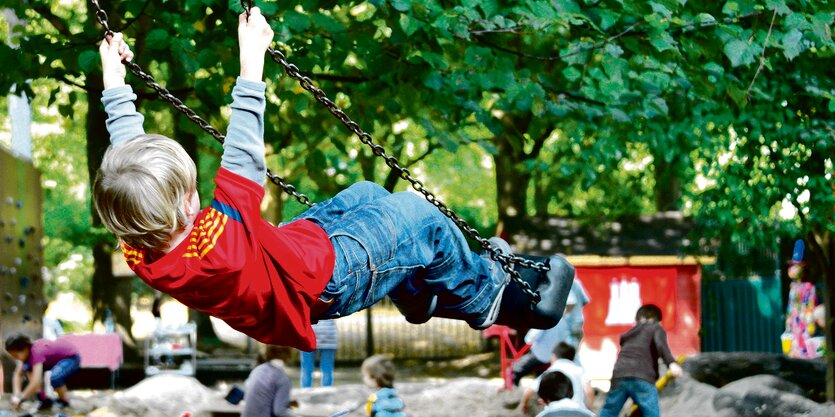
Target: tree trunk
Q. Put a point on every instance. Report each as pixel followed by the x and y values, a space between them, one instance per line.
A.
pixel 667 183
pixel 540 195
pixel 820 261
pixel 511 187
pixel 106 292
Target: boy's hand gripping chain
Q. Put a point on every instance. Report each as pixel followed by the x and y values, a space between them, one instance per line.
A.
pixel 166 95
pixel 506 261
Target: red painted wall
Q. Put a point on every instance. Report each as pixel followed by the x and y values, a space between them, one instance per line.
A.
pixel 676 289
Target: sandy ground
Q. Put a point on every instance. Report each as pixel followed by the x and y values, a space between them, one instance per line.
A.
pixel 462 388
pixel 172 395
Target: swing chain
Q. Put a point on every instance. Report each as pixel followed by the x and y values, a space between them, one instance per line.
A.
pixel 505 261
pixel 247 8
pixel 166 95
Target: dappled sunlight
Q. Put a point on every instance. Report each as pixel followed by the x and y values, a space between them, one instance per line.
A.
pixel 68 307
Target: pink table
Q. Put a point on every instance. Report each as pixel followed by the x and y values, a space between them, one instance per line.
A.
pixel 98 350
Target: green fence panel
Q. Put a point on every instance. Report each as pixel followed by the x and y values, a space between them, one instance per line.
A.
pixel 743 315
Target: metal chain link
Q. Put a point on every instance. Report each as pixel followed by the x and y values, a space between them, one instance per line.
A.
pixel 166 95
pixel 505 260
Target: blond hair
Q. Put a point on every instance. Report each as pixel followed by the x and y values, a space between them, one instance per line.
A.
pixel 140 190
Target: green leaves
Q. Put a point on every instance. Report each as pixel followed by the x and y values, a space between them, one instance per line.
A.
pixel 410 25
pixel 157 39
pixel 739 52
pixel 296 21
pixel 778 5
pixel 662 41
pixel 88 60
pixel 792 44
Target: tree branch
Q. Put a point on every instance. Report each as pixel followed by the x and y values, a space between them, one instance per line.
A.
pixel 583 99
pixel 63 78
pixel 429 150
pixel 55 21
pixel 539 143
pixel 762 57
pixel 150 94
pixel 130 22
pixel 336 77
pixel 630 30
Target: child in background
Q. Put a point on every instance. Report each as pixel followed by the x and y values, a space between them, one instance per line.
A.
pixel 339 257
pixel 555 391
pixel 267 392
pixel 378 373
pixel 562 360
pixel 35 358
pixel 636 368
pixel 327 341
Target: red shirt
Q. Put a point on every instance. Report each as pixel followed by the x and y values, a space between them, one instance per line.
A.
pixel 258 278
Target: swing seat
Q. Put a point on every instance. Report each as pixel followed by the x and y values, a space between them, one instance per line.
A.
pixel 553 287
pixel 516 309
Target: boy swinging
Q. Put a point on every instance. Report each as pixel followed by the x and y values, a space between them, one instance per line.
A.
pixel 339 257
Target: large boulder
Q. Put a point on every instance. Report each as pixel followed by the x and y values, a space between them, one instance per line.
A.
pixel 685 396
pixel 722 368
pixel 765 396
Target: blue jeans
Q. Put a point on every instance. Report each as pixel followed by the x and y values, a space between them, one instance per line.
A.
pixel 643 394
pixel 63 370
pixel 326 361
pixel 385 242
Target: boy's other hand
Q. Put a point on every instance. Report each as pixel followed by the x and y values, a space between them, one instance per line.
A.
pixel 113 51
pixel 254 37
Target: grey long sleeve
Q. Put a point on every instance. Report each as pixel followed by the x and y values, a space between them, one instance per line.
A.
pixel 123 122
pixel 243 150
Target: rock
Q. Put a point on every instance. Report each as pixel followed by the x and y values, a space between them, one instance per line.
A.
pixel 721 368
pixel 764 396
pixel 163 395
pixel 685 396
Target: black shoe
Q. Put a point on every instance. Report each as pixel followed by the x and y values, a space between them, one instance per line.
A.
pixel 44 404
pixel 553 286
pixel 415 300
pixel 499 279
pixel 62 403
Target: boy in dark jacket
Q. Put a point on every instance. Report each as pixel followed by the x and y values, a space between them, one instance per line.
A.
pixel 636 368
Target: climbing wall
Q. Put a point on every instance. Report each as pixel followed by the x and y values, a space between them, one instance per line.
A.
pixel 21 251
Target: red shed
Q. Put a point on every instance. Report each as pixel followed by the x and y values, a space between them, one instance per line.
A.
pixel 622 265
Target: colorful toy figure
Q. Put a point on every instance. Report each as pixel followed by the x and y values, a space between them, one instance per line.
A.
pixel 800 320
